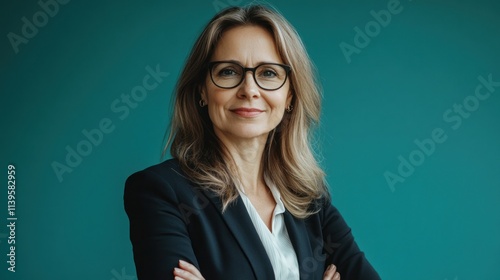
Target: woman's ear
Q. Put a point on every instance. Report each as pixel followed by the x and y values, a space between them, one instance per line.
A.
pixel 203 93
pixel 289 97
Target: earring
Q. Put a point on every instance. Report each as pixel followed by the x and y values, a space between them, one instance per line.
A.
pixel 202 103
pixel 289 108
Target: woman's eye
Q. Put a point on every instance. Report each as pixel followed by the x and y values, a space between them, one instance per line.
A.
pixel 227 72
pixel 268 74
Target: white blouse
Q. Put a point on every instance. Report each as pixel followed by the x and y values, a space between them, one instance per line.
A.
pixel 277 243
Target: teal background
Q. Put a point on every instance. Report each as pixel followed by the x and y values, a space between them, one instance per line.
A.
pixel 442 222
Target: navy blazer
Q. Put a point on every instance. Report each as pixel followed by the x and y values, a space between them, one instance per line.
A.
pixel 172 218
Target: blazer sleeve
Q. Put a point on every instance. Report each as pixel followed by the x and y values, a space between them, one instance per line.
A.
pixel 158 232
pixel 341 248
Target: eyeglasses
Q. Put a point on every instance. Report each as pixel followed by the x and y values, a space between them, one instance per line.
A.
pixel 229 74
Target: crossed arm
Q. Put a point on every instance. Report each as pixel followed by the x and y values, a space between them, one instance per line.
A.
pixel 187 271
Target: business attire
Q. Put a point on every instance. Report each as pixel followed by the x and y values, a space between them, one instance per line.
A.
pixel 276 242
pixel 172 218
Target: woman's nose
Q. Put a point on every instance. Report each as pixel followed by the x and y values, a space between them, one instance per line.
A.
pixel 249 88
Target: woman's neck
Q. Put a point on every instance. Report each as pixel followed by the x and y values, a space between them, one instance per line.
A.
pixel 247 157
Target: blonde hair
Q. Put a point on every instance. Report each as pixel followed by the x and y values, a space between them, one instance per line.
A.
pixel 288 159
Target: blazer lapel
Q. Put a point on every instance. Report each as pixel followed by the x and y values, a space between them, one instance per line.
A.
pixel 308 264
pixel 238 221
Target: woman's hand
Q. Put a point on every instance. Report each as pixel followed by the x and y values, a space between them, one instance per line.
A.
pixel 331 273
pixel 187 271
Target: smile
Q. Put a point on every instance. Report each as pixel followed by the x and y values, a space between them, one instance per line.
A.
pixel 247 112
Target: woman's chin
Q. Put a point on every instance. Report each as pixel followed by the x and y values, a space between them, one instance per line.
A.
pixel 244 134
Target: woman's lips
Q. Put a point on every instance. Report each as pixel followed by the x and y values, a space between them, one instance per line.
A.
pixel 247 112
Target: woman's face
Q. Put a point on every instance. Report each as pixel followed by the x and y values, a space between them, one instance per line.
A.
pixel 246 111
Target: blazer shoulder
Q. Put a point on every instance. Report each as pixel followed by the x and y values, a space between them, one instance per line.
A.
pixel 168 169
pixel 162 176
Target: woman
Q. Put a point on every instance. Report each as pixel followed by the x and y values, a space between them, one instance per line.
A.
pixel 243 196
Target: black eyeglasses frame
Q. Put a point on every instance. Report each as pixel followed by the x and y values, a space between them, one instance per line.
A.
pixel 211 64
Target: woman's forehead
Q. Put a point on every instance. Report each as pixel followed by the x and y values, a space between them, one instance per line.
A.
pixel 247 44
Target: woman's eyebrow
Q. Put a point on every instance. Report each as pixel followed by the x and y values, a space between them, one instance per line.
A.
pixel 256 64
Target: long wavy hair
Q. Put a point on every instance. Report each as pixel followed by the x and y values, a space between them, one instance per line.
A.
pixel 288 159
